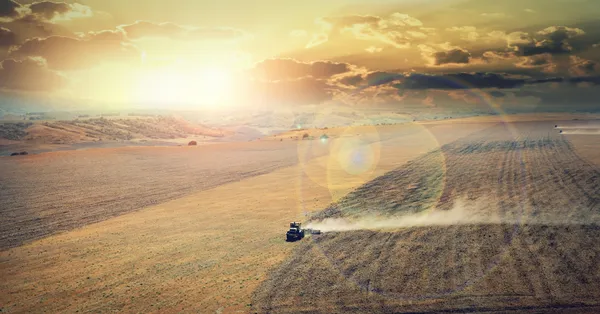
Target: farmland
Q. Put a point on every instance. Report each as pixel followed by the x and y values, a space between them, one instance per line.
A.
pixel 526 236
pixel 200 229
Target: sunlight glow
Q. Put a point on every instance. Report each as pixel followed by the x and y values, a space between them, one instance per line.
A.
pixel 171 86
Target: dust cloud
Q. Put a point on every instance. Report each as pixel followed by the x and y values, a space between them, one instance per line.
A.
pixel 460 214
pixel 582 131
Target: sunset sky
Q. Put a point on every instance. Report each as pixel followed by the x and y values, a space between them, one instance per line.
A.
pixel 528 54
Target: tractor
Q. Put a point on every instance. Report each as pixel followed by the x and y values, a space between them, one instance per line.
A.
pixel 295 233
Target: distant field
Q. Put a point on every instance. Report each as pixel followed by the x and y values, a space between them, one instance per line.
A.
pixel 46 193
pixel 60 134
pixel 526 236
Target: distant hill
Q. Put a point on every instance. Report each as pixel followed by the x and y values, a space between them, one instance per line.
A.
pixel 103 129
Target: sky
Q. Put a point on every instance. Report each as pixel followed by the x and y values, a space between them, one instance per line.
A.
pixel 523 55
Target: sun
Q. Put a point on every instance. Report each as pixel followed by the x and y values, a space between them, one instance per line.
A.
pixel 177 86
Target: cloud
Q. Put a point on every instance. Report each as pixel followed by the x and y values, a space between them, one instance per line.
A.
pixel 468 33
pixel 46 11
pixel 449 81
pixel 30 74
pixel 377 78
pixel 543 62
pixel 9 9
pixel 553 40
pixel 395 29
pixel 286 69
pixel 141 29
pixel 594 80
pixel 351 80
pixel 582 67
pixel 460 81
pixel 452 56
pixel 52 11
pixel 366 32
pixel 373 49
pixel 66 53
pixel 400 19
pixel 292 82
pixel 7 37
pixel 444 54
pixel 415 34
pixel 317 39
pixel 490 56
pixel 496 93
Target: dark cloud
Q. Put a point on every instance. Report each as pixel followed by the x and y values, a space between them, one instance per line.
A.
pixel 66 53
pixel 380 78
pixel 142 29
pixel 42 11
pixel 7 37
pixel 48 10
pixel 459 81
pixel 547 80
pixel 29 27
pixel 595 80
pixel 452 56
pixel 496 93
pixel 8 8
pixel 351 80
pixel 552 40
pixel 285 69
pixel 29 75
pixel 39 19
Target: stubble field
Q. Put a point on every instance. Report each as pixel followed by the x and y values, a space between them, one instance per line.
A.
pixel 506 219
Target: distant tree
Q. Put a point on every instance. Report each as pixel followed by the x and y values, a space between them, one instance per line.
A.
pixel 305 136
pixel 192 143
